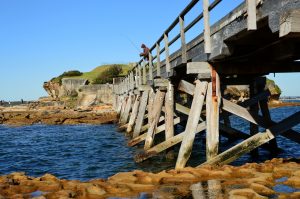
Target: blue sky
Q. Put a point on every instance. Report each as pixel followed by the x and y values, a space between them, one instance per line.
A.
pixel 40 39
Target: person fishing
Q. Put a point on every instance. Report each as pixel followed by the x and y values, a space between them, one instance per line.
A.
pixel 145 53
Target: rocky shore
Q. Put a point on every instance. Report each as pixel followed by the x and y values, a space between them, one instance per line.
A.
pixel 55 115
pixel 276 178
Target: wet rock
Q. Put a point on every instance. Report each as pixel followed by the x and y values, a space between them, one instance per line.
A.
pixel 293 182
pixel 261 189
pixel 48 186
pixel 245 193
pixel 125 177
pixel 95 190
pixel 39 197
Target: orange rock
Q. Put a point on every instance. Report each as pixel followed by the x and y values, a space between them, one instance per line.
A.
pixel 261 189
pixel 95 190
pixel 180 178
pixel 123 177
pixel 248 193
pixel 61 194
pixel 293 181
pixel 140 187
pixel 48 186
pixel 49 177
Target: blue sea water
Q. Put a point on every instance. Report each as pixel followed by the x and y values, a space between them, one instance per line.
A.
pixel 86 152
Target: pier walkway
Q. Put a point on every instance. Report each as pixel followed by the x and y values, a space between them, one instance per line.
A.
pixel 187 86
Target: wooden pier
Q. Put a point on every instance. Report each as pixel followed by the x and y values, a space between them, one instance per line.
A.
pixel 257 38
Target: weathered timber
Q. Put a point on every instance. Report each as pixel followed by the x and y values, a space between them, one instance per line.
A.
pixel 159 129
pixel 161 82
pixel 133 114
pixel 253 109
pixel 186 87
pixel 141 113
pixel 202 68
pixel 158 73
pixel 157 106
pixel 183 43
pixel 150 106
pixel 168 64
pixel 146 126
pixel 182 109
pixel 207 40
pixel 255 141
pixel 166 144
pixel 290 24
pixel 213 101
pixel 251 11
pixel 124 102
pixel 194 116
pixel 128 107
pixel 169 113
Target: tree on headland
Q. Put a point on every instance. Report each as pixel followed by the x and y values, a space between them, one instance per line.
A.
pixel 108 75
pixel 71 73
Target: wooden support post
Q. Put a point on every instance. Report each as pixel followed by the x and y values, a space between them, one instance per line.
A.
pixel 140 75
pixel 168 64
pixel 144 73
pixel 212 116
pixel 254 110
pixel 169 114
pixel 136 79
pixel 141 113
pixel 251 11
pixel 263 104
pixel 166 144
pixel 183 43
pixel 133 114
pixel 158 74
pixel 127 109
pixel 123 108
pixel 207 39
pixel 150 105
pixel 120 104
pixel 196 108
pixel 169 118
pixel 157 107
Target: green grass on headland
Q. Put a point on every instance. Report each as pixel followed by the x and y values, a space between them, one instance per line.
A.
pixel 93 75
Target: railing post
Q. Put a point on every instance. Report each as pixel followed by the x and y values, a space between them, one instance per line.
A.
pixel 183 44
pixel 207 40
pixel 158 60
pixel 150 67
pixel 168 65
pixel 251 11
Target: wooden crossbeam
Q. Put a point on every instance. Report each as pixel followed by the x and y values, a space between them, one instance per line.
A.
pixel 255 141
pixel 166 144
pixel 159 129
pixel 186 87
pixel 256 119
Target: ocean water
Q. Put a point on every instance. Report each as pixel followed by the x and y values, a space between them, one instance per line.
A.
pixel 86 152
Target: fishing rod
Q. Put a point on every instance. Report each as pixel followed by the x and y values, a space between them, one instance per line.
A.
pixel 132 43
